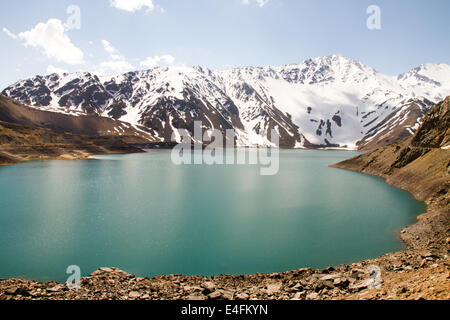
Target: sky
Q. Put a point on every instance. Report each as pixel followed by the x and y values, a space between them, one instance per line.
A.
pixel 116 36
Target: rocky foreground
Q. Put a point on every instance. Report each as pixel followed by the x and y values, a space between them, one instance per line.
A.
pixel 420 165
pixel 405 275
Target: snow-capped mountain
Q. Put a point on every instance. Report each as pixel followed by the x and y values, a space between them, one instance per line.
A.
pixel 324 102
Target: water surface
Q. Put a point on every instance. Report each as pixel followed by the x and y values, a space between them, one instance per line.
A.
pixel 149 217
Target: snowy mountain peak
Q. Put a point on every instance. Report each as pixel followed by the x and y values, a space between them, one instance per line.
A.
pixel 429 72
pixel 328 101
pixel 327 69
pixel 429 80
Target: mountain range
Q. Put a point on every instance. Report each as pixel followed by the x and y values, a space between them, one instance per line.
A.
pixel 327 102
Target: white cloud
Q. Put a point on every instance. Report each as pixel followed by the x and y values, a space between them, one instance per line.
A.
pixel 152 62
pixel 118 64
pixel 261 3
pixel 114 67
pixel 133 5
pixel 111 50
pixel 51 37
pixel 52 69
pixel 108 47
pixel 10 34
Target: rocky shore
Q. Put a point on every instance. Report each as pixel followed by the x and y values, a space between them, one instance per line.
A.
pixel 405 275
pixel 420 165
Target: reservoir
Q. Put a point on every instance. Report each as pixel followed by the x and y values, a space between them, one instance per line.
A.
pixel 147 216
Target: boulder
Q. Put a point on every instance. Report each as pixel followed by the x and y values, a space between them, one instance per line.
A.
pixel 215 295
pixel 134 295
pixel 299 296
pixel 312 296
pixel 209 287
pixel 242 296
pixel 273 288
pixel 359 286
pixel 331 277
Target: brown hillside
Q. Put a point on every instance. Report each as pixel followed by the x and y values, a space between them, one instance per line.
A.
pixel 92 125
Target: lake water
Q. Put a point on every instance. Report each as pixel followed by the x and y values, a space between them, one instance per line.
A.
pixel 144 215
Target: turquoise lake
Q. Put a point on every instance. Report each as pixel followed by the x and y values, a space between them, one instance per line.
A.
pixel 147 216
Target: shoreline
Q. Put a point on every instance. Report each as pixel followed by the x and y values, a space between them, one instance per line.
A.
pixel 347 281
pixel 56 154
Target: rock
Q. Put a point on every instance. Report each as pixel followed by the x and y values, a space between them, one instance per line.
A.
pixel 209 286
pixel 56 288
pixel 107 270
pixel 424 262
pixel 296 287
pixel 273 288
pixel 357 274
pixel 242 296
pixel 196 298
pixel 215 295
pixel 303 270
pixel 134 295
pixel 299 296
pixel 320 285
pixel 448 240
pixel 228 295
pixel 193 289
pixel 330 277
pixel 23 291
pixel 341 282
pixel 11 291
pixel 401 290
pixel 358 286
pixel 329 270
pixel 430 255
pixel 409 268
pixel 397 268
pixel 313 296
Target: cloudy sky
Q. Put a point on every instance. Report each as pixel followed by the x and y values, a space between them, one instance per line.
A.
pixel 115 36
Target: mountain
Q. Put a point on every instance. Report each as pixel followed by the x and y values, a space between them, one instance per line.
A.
pixel 20 143
pixel 419 164
pixel 329 101
pixel 32 134
pixel 11 111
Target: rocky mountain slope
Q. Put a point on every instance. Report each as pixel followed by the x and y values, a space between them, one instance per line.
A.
pixel 420 164
pixel 91 125
pixel 32 134
pixel 329 101
pixel 20 143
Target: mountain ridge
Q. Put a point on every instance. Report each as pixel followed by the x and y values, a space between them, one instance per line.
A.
pixel 330 101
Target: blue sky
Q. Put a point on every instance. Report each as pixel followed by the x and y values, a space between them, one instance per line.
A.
pixel 115 36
